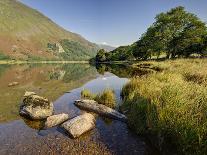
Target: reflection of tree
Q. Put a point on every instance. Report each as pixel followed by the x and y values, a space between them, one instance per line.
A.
pixel 56 74
pixel 121 70
pixel 117 69
pixel 3 68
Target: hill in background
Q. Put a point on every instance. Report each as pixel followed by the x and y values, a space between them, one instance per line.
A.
pixel 107 48
pixel 27 34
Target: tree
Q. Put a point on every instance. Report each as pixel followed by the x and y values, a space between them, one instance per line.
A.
pixel 176 32
pixel 101 55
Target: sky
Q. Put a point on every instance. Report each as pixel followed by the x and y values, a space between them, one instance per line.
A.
pixel 112 22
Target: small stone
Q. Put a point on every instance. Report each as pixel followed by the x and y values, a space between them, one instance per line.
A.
pixel 55 120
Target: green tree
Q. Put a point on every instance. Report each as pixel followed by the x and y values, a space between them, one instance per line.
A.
pixel 176 32
pixel 101 55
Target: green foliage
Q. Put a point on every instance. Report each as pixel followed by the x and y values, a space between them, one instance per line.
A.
pixel 101 55
pixel 121 53
pixel 76 51
pixel 52 47
pixel 171 103
pixel 176 33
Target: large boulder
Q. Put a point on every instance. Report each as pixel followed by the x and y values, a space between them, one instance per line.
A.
pixel 35 107
pixel 79 125
pixel 100 109
pixel 55 120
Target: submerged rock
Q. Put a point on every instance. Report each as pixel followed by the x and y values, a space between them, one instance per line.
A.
pixel 13 84
pixel 35 107
pixel 100 109
pixel 79 125
pixel 55 120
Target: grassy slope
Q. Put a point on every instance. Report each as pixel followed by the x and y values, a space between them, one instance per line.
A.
pixel 171 102
pixel 29 31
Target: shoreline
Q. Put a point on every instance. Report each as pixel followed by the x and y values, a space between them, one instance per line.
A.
pixel 4 62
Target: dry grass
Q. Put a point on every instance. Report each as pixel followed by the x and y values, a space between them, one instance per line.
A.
pixel 86 94
pixel 107 97
pixel 172 102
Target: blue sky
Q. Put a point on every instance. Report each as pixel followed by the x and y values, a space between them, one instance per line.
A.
pixel 115 22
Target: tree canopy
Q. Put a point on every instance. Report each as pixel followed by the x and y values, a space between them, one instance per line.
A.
pixel 176 33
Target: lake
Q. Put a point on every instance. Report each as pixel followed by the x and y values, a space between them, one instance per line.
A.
pixel 62 84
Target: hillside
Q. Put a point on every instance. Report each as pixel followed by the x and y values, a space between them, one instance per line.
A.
pixel 27 34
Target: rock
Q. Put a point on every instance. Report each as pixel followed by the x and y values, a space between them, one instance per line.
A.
pixel 100 109
pixel 27 93
pixel 55 120
pixel 35 107
pixel 79 125
pixel 13 84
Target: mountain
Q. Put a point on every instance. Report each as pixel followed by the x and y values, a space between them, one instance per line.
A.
pixel 27 34
pixel 107 48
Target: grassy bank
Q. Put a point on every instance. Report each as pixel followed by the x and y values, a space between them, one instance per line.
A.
pixel 170 102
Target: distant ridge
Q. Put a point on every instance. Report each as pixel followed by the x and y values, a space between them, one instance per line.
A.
pixel 108 48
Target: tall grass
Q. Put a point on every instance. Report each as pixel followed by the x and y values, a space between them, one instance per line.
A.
pixel 86 94
pixel 107 97
pixel 171 103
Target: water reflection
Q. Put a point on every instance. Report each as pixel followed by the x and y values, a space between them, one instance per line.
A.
pixel 122 70
pixel 23 136
pixel 47 80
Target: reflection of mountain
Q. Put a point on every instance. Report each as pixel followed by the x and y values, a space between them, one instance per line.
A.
pixel 50 81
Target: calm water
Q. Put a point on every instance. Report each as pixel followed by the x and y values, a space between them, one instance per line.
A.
pixel 62 84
